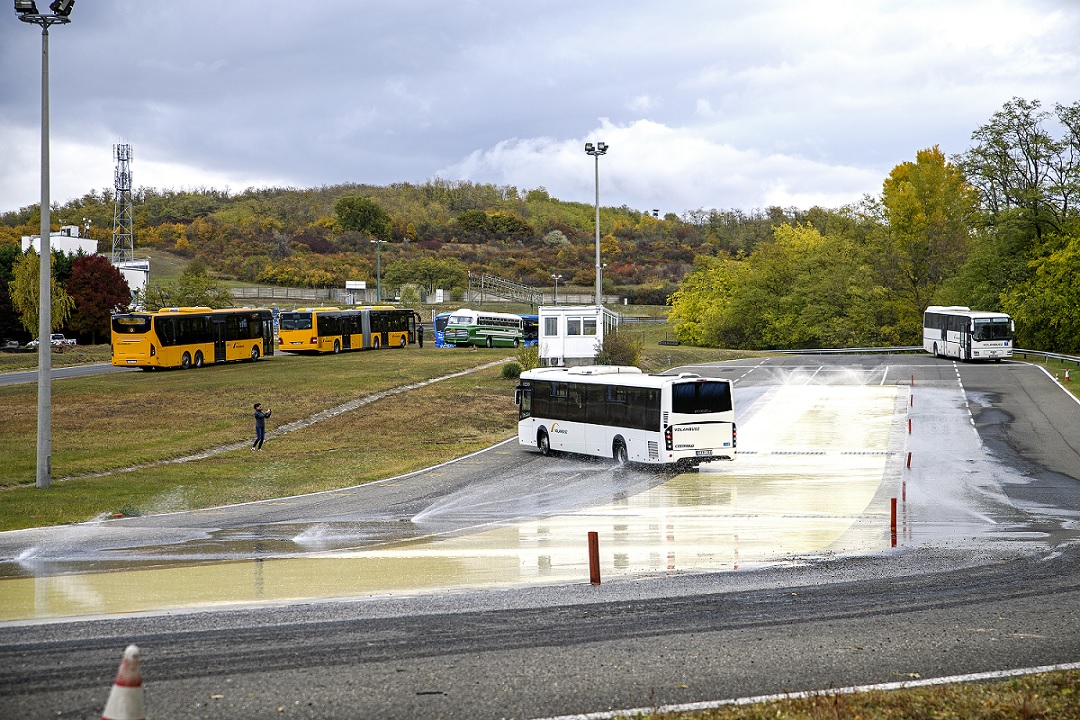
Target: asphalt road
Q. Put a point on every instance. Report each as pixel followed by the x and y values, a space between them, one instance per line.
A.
pixel 926 609
pixel 31 376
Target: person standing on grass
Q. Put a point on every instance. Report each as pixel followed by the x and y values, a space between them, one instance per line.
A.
pixel 260 426
pixel 420 334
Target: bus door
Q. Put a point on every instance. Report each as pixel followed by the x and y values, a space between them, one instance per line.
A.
pixel 346 326
pixel 217 330
pixel 965 344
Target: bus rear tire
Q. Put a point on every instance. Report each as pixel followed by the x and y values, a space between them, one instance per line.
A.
pixel 543 442
pixel 404 341
pixel 198 359
pixel 375 343
pixel 337 346
pixel 254 353
pixel 490 343
pixel 618 453
pixel 185 361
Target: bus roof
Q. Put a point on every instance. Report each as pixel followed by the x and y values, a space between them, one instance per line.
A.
pixel 611 374
pixel 964 311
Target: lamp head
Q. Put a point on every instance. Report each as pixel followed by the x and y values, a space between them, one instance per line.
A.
pixel 600 147
pixel 588 146
pixel 62 7
pixel 26 7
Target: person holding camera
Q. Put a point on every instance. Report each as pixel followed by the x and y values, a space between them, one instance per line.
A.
pixel 260 426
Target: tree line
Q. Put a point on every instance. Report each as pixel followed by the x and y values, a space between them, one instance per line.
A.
pixel 994 228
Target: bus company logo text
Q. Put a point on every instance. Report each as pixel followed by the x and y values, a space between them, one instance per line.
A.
pixel 556 430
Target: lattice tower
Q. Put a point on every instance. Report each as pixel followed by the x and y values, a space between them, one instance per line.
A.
pixel 123 244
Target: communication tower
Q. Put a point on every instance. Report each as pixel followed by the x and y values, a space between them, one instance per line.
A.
pixel 123 244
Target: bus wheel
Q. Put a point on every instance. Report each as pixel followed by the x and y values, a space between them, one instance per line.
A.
pixel 404 341
pixel 198 358
pixel 489 343
pixel 544 443
pixel 185 361
pixel 517 343
pixel 254 353
pixel 375 343
pixel 618 452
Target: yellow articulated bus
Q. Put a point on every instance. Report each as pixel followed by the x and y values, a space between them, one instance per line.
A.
pixel 186 337
pixel 331 329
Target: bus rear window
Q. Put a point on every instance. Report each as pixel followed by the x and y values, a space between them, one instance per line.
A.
pixel 695 398
pixel 131 324
pixel 294 321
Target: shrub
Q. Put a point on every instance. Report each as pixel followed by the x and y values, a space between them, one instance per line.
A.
pixel 511 371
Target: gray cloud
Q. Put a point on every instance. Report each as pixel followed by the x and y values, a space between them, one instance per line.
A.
pixel 704 104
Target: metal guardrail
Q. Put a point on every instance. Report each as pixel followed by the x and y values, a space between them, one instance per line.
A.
pixel 919 348
pixel 1047 355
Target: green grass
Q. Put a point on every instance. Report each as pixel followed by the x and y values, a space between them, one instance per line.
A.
pixel 1048 696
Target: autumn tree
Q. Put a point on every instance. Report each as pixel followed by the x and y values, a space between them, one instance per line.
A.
pixel 25 291
pixel 364 215
pixel 929 207
pixel 98 289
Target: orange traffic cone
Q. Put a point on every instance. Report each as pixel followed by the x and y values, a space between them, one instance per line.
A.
pixel 126 698
pixel 1066 376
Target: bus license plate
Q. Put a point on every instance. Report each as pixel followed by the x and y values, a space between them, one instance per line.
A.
pixel 703 452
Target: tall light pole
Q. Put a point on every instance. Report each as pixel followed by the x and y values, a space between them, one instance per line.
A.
pixel 28 13
pixel 596 152
pixel 378 269
pixel 556 278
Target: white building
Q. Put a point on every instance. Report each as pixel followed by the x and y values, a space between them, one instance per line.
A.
pixel 573 334
pixel 67 241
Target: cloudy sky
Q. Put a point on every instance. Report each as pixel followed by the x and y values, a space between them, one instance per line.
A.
pixel 704 104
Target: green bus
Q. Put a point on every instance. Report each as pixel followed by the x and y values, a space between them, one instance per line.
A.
pixel 486 329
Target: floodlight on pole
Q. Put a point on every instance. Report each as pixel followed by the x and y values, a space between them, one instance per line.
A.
pixel 28 13
pixel 596 151
pixel 555 299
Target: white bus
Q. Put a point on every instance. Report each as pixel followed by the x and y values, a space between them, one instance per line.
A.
pixel 621 413
pixel 966 334
pixel 490 329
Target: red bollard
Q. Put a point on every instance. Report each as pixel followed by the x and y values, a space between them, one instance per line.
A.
pixel 909 426
pixel 892 524
pixel 594 558
pixel 909 459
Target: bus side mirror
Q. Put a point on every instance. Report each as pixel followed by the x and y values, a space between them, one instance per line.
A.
pixel 517 396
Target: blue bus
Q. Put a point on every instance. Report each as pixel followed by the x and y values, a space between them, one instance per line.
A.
pixel 531 328
pixel 439 323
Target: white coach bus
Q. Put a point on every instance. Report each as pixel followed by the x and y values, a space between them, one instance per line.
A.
pixel 966 334
pixel 621 413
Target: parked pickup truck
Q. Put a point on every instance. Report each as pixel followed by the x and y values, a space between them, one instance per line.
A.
pixel 56 340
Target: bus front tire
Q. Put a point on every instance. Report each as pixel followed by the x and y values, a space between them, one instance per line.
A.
pixel 543 443
pixel 404 341
pixel 198 359
pixel 337 346
pixel 517 343
pixel 254 353
pixel 375 343
pixel 490 343
pixel 185 361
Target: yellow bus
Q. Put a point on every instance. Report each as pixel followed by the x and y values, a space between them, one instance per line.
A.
pixel 331 329
pixel 185 337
